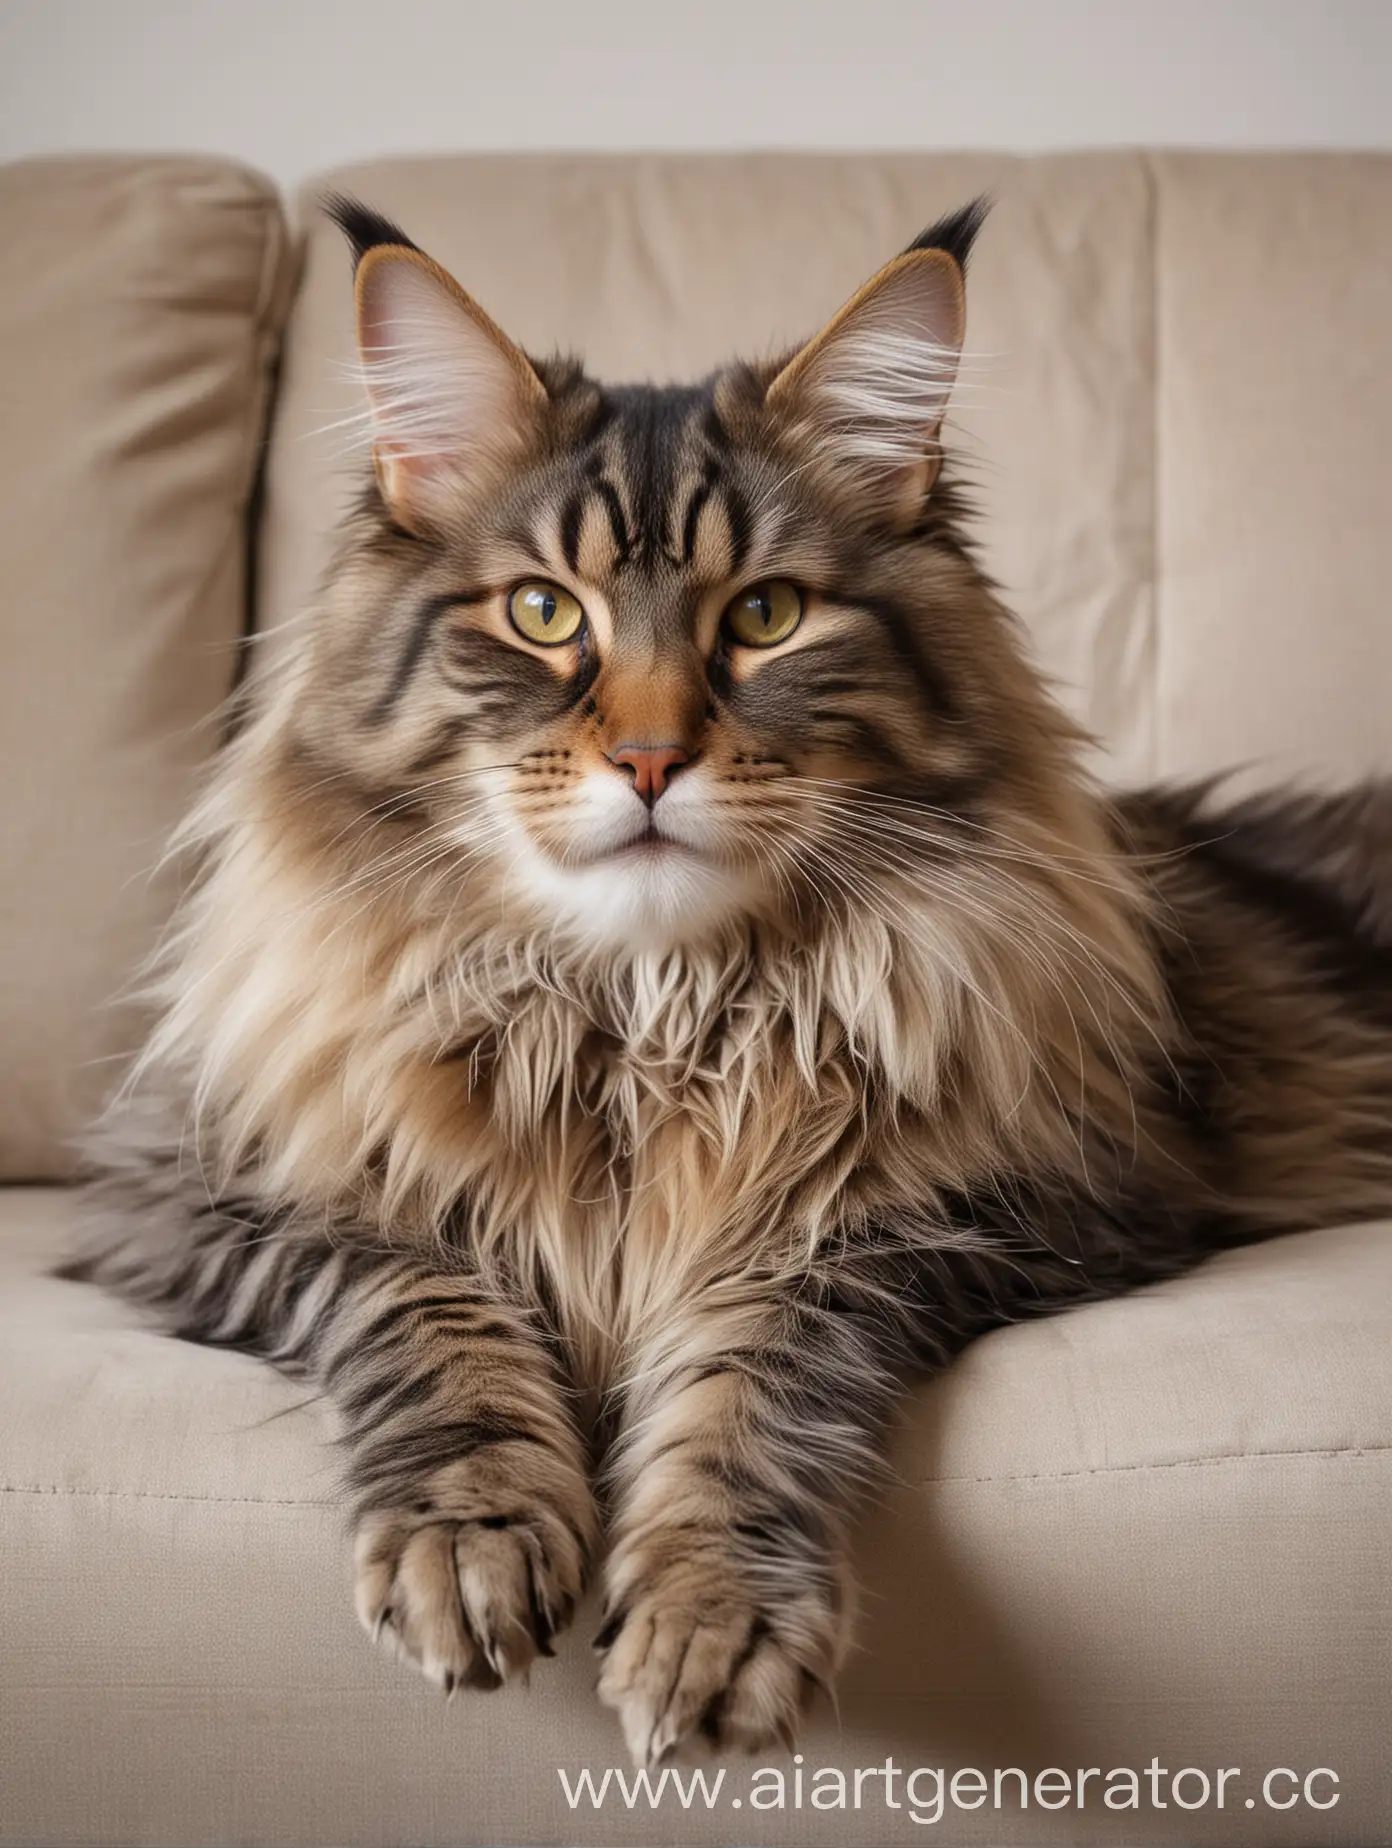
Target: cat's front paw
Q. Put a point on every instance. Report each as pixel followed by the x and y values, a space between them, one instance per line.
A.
pixel 472 1586
pixel 699 1647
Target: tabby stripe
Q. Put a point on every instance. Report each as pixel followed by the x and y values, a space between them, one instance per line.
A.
pixel 737 512
pixel 304 1264
pixel 315 1298
pixel 582 679
pixel 388 1321
pixel 244 1307
pixel 572 521
pixel 618 525
pixel 389 1465
pixel 713 428
pixel 936 693
pixel 691 524
pixel 202 1279
pixel 376 1401
pixel 417 641
pixel 869 739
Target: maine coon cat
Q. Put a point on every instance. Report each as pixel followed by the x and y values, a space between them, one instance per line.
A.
pixel 657 978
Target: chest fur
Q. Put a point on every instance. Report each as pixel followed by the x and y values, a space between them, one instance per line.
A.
pixel 635 1188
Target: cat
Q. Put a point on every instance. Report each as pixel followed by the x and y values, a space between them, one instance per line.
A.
pixel 658 978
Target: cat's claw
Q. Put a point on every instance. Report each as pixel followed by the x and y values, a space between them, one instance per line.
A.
pixel 471 1603
pixel 681 1661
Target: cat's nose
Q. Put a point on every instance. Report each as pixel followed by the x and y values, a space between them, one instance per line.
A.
pixel 653 766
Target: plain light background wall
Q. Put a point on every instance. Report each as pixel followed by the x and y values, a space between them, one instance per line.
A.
pixel 293 86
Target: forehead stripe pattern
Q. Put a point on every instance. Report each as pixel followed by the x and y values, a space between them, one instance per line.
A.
pixel 692 521
pixel 571 522
pixel 623 542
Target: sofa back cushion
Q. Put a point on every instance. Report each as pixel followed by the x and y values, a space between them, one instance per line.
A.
pixel 1272 644
pixel 140 304
pixel 1172 411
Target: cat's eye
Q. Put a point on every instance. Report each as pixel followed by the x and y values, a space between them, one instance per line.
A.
pixel 765 613
pixel 545 613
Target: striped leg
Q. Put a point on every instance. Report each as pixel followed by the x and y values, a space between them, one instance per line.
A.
pixel 475 1519
pixel 728 1593
pixel 474 1516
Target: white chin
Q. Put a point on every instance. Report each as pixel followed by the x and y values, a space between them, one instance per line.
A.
pixel 641 898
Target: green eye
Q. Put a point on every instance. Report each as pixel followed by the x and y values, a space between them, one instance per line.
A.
pixel 545 613
pixel 765 614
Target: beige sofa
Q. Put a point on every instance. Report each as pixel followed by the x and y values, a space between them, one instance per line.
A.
pixel 1158 1529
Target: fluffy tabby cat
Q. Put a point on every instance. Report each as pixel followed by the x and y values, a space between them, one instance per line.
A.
pixel 658 977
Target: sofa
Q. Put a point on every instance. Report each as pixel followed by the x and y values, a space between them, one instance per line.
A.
pixel 1153 1531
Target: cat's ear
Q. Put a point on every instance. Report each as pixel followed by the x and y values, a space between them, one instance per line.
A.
pixel 872 388
pixel 450 396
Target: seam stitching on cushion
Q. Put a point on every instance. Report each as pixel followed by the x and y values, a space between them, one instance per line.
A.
pixel 264 332
pixel 222 1501
pixel 924 1482
pixel 280 279
pixel 1140 1469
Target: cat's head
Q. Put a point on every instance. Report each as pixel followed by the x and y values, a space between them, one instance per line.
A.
pixel 654 660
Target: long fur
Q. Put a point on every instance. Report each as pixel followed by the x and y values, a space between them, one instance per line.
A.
pixel 687 1159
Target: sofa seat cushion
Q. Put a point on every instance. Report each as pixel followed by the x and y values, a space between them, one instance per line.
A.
pixel 1154 1526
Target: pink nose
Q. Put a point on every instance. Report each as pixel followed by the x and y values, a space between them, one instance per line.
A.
pixel 652 765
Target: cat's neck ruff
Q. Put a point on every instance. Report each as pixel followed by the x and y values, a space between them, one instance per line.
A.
pixel 365 1049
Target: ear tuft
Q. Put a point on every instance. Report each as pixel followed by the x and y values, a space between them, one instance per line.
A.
pixel 450 397
pixel 957 232
pixel 872 388
pixel 364 228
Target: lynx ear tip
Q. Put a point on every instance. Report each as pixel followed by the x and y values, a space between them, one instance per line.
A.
pixel 956 233
pixel 365 228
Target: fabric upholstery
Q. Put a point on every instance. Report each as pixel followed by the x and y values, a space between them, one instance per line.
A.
pixel 1155 1526
pixel 140 303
